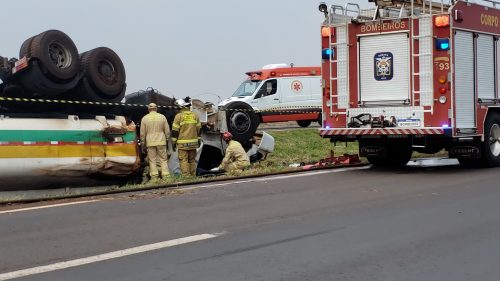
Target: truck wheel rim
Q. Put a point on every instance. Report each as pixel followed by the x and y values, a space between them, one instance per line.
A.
pixel 240 122
pixel 59 55
pixel 495 140
pixel 106 71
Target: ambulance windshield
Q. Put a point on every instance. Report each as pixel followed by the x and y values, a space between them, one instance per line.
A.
pixel 247 88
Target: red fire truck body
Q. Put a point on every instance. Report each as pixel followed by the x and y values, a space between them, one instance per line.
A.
pixel 412 76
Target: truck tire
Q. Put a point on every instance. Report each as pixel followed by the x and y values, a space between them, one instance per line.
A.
pixel 105 73
pixel 35 83
pixel 24 51
pixel 84 91
pixel 304 123
pixel 398 155
pixel 471 162
pixel 491 144
pixel 57 54
pixel 242 121
pixel 320 119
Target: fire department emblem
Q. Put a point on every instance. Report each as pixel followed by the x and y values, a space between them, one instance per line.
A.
pixel 383 63
pixel 297 86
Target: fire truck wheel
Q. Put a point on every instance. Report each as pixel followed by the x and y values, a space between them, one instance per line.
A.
pixel 398 155
pixel 379 161
pixel 57 55
pixel 105 72
pixel 470 162
pixel 242 121
pixel 491 144
pixel 304 123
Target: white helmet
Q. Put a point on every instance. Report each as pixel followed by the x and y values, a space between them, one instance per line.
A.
pixel 182 103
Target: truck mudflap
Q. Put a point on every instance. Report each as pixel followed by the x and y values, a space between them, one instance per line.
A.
pixel 324 132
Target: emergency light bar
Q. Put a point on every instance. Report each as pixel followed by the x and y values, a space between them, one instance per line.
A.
pixel 442 44
pixel 442 21
pixel 326 31
pixel 327 53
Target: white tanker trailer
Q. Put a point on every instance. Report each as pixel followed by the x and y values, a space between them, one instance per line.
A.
pixel 61 122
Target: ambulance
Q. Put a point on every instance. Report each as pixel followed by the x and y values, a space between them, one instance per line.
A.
pixel 275 93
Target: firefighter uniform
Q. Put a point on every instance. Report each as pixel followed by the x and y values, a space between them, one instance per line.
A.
pixel 186 137
pixel 154 133
pixel 236 159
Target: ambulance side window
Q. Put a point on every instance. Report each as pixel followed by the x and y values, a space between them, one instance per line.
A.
pixel 269 87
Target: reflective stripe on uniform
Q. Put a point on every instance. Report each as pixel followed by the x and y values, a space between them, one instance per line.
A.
pixel 188 141
pixel 189 122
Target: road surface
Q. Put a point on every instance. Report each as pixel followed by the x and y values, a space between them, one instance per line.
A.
pixel 418 223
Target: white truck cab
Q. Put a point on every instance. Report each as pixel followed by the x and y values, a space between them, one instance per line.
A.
pixel 276 93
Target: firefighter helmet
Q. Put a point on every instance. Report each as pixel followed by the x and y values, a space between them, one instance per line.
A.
pixel 185 102
pixel 227 136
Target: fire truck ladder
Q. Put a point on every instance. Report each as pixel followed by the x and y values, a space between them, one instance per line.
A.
pixel 339 59
pixel 422 53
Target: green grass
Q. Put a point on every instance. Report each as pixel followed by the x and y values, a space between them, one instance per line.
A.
pixel 299 146
pixel 291 146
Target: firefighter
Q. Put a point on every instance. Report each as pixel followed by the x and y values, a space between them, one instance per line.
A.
pixel 236 159
pixel 154 135
pixel 186 136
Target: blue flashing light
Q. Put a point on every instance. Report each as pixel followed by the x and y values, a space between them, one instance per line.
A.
pixel 326 54
pixel 327 127
pixel 442 44
pixel 445 126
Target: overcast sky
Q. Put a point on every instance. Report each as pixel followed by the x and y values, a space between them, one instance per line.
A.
pixel 180 47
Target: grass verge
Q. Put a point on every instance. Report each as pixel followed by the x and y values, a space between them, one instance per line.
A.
pixel 291 146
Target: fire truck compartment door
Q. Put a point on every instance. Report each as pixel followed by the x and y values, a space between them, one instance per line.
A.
pixel 465 114
pixel 485 67
pixel 384 68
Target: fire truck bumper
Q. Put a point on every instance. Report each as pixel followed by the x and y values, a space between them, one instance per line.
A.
pixel 325 132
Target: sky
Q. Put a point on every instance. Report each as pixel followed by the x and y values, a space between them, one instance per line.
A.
pixel 182 48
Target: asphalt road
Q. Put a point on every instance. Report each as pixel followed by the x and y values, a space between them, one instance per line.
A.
pixel 417 223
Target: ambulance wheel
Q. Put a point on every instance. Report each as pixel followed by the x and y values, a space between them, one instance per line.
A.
pixel 320 120
pixel 491 144
pixel 242 121
pixel 57 54
pixel 304 123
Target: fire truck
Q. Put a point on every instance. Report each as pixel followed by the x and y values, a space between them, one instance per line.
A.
pixel 413 75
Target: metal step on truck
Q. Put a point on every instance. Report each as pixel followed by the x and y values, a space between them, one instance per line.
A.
pixel 413 75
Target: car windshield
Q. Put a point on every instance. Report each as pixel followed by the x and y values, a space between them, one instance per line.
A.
pixel 247 88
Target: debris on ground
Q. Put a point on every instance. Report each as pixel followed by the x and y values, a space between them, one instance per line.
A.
pixel 345 159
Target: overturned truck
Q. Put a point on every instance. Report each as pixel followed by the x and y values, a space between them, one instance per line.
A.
pixel 63 122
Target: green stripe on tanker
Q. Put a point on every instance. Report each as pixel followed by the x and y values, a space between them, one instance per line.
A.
pixel 57 135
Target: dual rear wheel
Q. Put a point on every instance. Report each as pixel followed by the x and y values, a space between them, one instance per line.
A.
pixel 490 147
pixel 397 153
